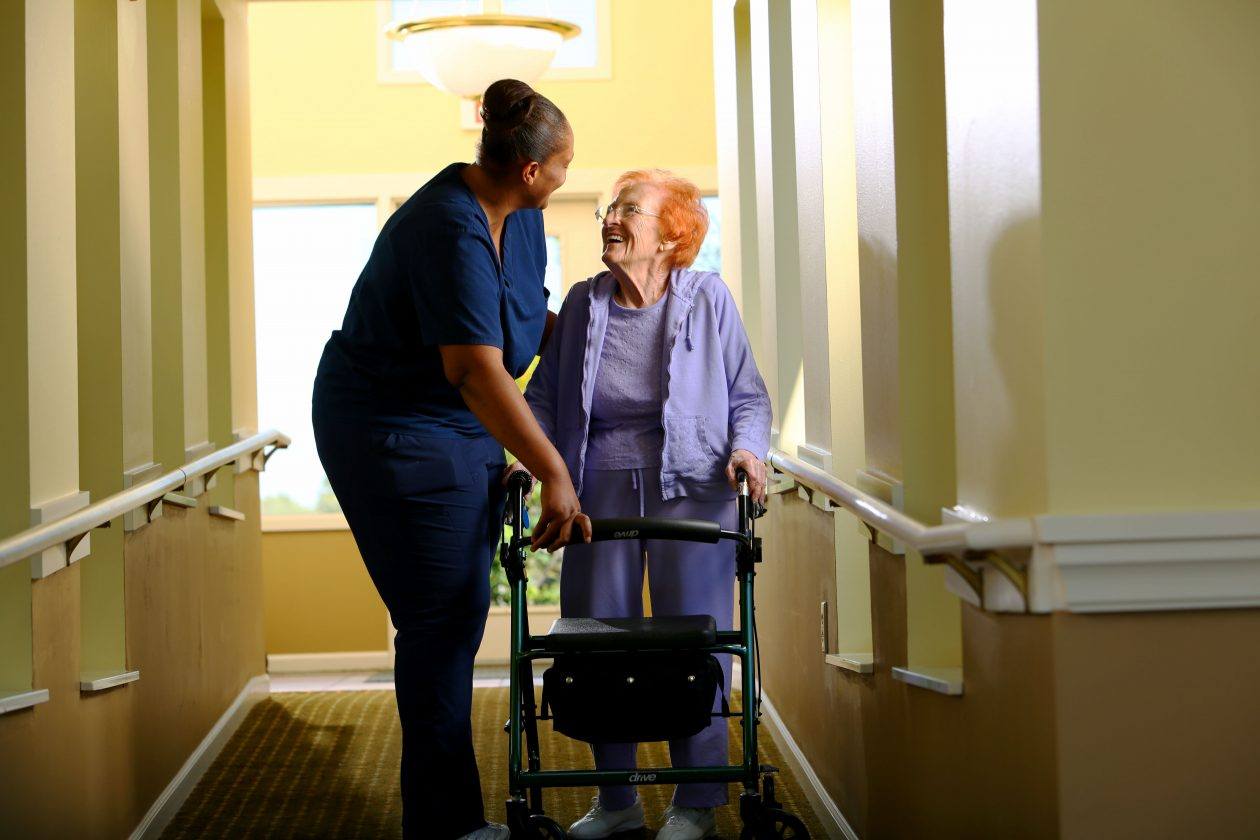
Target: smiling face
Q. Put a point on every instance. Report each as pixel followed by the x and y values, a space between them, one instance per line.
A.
pixel 634 239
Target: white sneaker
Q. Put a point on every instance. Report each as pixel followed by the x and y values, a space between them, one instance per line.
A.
pixel 599 822
pixel 489 831
pixel 683 823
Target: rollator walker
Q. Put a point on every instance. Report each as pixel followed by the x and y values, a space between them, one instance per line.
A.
pixel 634 679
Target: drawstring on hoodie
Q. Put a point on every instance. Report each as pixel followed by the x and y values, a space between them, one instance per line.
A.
pixel 689 310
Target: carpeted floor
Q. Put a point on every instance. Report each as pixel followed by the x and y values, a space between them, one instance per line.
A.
pixel 325 764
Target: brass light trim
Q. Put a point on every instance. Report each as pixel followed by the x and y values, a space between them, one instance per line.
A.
pixel 399 31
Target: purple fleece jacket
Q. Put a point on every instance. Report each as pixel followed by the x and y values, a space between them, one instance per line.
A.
pixel 715 401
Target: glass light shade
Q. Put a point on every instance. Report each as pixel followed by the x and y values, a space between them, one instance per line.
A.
pixel 463 55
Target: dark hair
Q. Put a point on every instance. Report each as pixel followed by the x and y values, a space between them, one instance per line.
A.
pixel 520 125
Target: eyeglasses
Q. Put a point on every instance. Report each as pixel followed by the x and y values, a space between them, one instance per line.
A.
pixel 623 210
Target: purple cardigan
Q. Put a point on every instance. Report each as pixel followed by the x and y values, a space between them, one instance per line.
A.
pixel 715 400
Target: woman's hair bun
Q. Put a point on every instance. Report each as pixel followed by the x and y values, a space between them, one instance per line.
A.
pixel 507 101
pixel 519 124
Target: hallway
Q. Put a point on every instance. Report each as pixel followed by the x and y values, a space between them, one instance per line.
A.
pixel 324 764
pixel 995 265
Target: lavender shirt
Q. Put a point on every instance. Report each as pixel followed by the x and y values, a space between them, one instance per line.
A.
pixel 626 431
pixel 713 399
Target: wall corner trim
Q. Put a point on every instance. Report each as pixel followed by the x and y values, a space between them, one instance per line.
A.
pixel 824 806
pixel 169 801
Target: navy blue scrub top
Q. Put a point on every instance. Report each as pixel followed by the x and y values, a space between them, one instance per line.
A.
pixel 434 278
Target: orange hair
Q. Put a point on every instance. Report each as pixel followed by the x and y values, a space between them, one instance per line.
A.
pixel 683 220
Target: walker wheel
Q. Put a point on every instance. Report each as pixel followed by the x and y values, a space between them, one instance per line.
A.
pixel 776 824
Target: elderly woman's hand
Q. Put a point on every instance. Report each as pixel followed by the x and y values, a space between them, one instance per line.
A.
pixel 742 459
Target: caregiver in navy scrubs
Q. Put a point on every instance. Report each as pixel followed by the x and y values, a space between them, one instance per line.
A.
pixel 414 402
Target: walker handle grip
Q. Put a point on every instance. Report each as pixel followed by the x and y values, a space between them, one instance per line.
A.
pixel 655 528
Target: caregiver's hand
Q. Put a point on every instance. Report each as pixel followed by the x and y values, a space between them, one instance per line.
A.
pixel 514 468
pixel 561 521
pixel 742 459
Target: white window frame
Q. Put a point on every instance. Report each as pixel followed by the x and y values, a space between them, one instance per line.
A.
pixel 602 70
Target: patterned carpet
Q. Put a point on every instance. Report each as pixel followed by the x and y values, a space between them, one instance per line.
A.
pixel 325 764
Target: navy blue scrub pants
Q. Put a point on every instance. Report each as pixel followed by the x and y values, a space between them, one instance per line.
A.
pixel 426 513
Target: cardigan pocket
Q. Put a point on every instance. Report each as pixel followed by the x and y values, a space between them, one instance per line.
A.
pixel 688 449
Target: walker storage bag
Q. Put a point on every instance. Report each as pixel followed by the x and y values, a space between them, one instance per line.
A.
pixel 632 696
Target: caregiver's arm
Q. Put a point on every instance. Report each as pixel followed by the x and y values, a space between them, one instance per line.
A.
pixel 492 395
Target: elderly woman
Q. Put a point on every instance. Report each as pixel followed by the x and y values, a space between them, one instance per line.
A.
pixel 649 390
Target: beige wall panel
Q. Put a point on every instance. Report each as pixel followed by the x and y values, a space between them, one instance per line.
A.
pixel 1151 157
pixel 135 254
pixel 91 765
pixel 1145 751
pixel 901 761
pixel 319 597
pixel 51 263
pixel 192 224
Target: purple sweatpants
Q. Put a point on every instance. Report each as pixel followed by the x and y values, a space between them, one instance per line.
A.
pixel 605 580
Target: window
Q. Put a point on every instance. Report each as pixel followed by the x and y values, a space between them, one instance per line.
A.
pixel 589 55
pixel 710 256
pixel 553 281
pixel 306 260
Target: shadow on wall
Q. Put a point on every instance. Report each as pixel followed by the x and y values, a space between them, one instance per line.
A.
pixel 1014 280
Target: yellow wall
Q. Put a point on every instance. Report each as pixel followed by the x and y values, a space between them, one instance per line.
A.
pixel 319 598
pixel 321 117
pixel 318 108
pixel 1150 166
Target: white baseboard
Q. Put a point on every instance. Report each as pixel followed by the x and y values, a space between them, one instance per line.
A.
pixel 824 806
pixel 168 803
pixel 309 663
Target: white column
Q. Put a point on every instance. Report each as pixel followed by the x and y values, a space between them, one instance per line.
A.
pixel 52 336
pixel 811 233
pixel 760 95
pixel 240 215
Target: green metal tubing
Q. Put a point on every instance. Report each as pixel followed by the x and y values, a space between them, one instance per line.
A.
pixel 514 689
pixel 751 708
pixel 647 776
